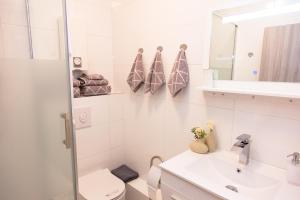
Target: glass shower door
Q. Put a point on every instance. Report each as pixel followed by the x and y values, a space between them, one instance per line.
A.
pixel 37 150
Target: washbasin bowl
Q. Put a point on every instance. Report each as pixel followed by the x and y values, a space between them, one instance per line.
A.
pixel 254 181
pixel 242 175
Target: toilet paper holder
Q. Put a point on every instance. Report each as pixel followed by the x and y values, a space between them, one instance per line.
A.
pixel 155 157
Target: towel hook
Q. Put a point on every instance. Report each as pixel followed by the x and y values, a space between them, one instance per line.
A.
pixel 183 47
pixel 141 50
pixel 155 157
pixel 160 48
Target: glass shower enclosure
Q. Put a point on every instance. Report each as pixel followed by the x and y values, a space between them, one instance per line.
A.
pixel 37 153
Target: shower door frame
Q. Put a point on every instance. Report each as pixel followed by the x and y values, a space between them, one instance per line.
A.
pixel 68 65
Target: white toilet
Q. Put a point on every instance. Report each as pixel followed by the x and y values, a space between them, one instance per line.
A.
pixel 101 185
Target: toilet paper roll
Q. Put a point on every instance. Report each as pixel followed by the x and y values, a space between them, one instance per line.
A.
pixel 153 181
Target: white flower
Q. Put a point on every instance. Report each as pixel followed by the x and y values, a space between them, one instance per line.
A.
pixel 210 125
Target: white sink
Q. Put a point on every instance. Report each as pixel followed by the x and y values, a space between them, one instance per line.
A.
pixel 243 175
pixel 221 174
pixel 223 169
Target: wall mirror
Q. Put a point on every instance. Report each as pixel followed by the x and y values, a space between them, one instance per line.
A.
pixel 257 42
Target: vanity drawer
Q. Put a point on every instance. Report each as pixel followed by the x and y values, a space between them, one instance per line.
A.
pixel 182 189
pixel 170 194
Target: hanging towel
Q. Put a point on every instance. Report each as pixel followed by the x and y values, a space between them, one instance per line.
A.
pixel 137 75
pixel 179 77
pixel 156 77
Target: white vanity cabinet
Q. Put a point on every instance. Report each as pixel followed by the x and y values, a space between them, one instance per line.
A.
pixel 174 188
pixel 214 176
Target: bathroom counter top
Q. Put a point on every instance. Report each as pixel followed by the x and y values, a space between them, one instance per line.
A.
pixel 213 172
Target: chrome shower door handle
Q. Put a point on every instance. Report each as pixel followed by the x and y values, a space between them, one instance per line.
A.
pixel 68 130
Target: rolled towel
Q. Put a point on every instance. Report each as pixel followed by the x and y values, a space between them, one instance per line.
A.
pixel 84 81
pixel 93 76
pixel 95 90
pixel 76 92
pixel 76 83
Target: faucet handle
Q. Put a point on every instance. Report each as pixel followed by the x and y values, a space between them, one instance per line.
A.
pixel 296 157
pixel 244 138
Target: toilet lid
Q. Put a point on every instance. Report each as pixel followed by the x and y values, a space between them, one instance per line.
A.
pixel 101 185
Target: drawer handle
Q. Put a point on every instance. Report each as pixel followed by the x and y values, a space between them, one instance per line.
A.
pixel 174 197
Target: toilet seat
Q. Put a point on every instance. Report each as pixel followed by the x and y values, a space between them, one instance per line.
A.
pixel 101 185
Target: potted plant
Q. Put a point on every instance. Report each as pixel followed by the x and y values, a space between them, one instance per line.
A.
pixel 204 139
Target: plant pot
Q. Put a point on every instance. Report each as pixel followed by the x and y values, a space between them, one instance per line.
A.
pixel 211 142
pixel 198 146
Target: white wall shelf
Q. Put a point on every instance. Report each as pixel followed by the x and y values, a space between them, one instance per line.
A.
pixel 271 89
pixel 112 93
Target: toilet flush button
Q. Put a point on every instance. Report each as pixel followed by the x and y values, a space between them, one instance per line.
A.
pixel 82 117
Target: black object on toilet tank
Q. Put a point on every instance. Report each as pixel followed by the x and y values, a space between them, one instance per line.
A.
pixel 125 173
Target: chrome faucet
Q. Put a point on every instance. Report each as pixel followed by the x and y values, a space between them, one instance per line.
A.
pixel 243 146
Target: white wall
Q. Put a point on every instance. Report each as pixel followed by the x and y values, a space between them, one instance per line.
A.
pixel 13 34
pixel 44 16
pixel 101 145
pixel 161 124
pixel 144 125
pixel 91 35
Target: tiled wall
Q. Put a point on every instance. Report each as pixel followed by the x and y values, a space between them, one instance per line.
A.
pixel 101 145
pixel 91 34
pixel 161 124
pixel 44 16
pixel 130 128
pixel 13 34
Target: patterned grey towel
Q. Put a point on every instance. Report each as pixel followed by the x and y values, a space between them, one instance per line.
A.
pixel 76 92
pixel 137 74
pixel 95 90
pixel 84 81
pixel 93 76
pixel 179 77
pixel 76 83
pixel 156 77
